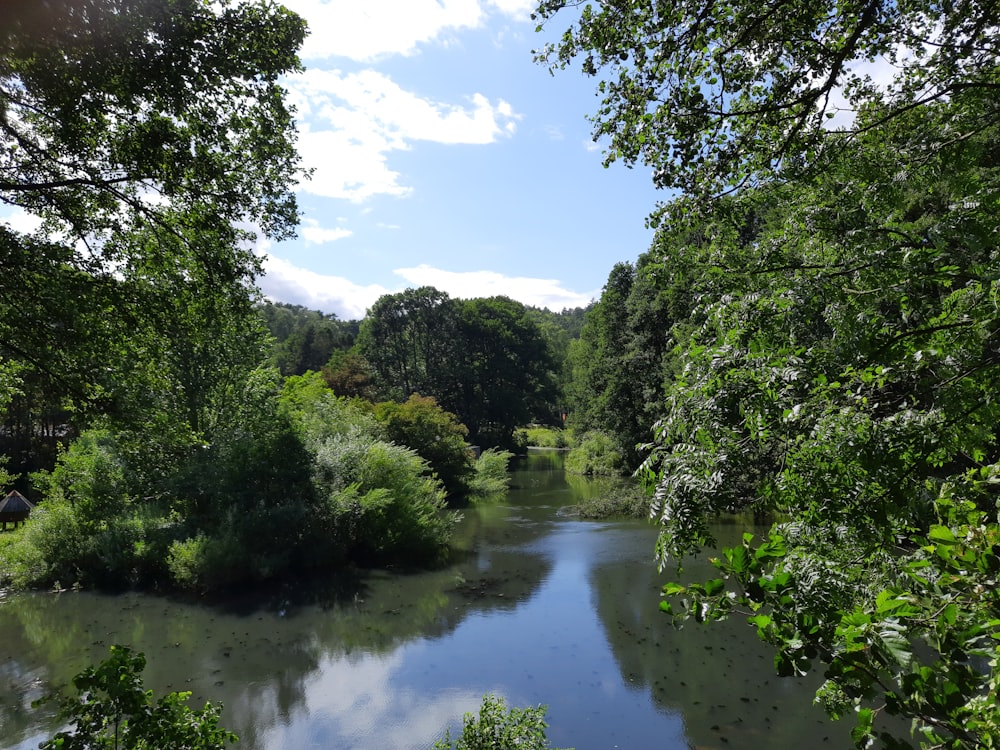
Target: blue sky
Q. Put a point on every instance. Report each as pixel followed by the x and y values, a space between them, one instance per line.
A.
pixel 444 156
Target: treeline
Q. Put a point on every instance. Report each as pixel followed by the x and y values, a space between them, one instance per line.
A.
pixel 493 362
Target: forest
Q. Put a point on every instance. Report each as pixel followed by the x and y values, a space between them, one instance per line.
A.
pixel 813 336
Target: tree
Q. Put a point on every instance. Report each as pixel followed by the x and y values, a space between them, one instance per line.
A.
pixel 712 95
pixel 836 366
pixel 409 340
pixel 146 136
pixel 434 434
pixel 112 710
pixel 498 728
pixel 485 360
pixel 841 376
pixel 506 371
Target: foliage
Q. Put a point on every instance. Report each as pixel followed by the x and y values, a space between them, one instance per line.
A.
pixel 348 374
pixel 112 710
pixel 410 341
pixel 144 135
pixel 499 728
pixel 548 437
pixel 485 360
pixel 491 476
pixel 843 377
pixel 379 501
pixel 305 339
pixel 383 504
pixel 712 96
pixel 618 364
pixel 595 454
pixel 834 326
pixel 614 499
pixel 434 434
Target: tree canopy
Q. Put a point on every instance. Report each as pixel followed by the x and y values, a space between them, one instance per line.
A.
pixel 148 141
pixel 714 95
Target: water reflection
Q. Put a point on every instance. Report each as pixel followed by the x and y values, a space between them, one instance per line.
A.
pixel 542 608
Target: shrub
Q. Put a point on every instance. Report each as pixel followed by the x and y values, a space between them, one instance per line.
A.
pixel 548 437
pixel 596 455
pixel 499 728
pixel 113 710
pixel 435 434
pixel 383 505
pixel 491 476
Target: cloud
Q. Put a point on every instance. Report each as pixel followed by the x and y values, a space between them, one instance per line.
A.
pixel 284 282
pixel 21 221
pixel 548 293
pixel 518 9
pixel 350 122
pixel 366 30
pixel 314 234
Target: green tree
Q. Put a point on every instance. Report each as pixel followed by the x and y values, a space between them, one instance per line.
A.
pixel 146 136
pixel 410 341
pixel 836 362
pixel 485 360
pixel 842 378
pixel 112 710
pixel 506 372
pixel 435 434
pixel 712 96
pixel 497 727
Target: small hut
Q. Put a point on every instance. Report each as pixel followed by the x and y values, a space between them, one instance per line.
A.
pixel 15 509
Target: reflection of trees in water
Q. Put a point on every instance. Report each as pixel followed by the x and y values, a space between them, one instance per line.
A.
pixel 720 676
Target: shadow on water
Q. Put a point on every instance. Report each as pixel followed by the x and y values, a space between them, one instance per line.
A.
pixel 541 607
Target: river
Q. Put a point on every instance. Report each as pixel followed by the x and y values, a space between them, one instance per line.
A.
pixel 541 608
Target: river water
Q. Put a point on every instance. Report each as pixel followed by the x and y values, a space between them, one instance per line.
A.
pixel 543 608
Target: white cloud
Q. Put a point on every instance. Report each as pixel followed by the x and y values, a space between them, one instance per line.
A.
pixel 366 29
pixel 519 9
pixel 284 282
pixel 548 293
pixel 21 221
pixel 314 234
pixel 350 122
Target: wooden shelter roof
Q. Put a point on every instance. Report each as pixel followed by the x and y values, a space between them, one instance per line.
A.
pixel 15 502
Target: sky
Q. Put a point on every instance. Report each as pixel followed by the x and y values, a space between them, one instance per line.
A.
pixel 442 155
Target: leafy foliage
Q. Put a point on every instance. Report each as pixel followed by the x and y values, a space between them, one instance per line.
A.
pixel 145 137
pixel 434 434
pixel 719 95
pixel 499 728
pixel 834 323
pixel 491 475
pixel 305 339
pixel 595 454
pixel 112 710
pixel 485 360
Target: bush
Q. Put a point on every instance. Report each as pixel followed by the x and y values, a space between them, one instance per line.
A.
pixel 435 434
pixel 596 455
pixel 381 502
pixel 548 437
pixel 113 710
pixel 500 728
pixel 491 476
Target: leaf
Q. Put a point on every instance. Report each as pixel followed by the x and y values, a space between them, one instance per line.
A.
pixel 941 535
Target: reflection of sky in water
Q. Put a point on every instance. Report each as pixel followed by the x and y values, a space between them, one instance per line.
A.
pixel 550 649
pixel 362 703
